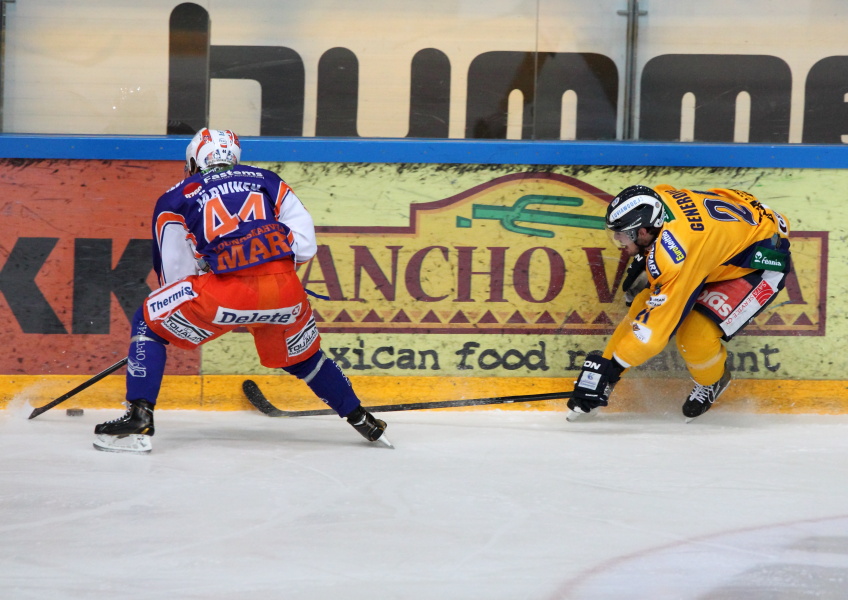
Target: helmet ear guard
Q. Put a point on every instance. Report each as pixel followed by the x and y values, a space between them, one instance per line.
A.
pixel 191 167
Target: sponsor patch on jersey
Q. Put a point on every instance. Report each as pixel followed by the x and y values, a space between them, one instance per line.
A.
pixel 192 189
pixel 261 244
pixel 781 223
pixel 749 307
pixel 763 292
pixel 769 260
pixel 167 299
pixel 303 339
pixel 184 329
pixel 657 300
pixel 735 302
pixel 671 245
pixel 642 333
pixel 274 316
pixel 653 269
pixel 716 301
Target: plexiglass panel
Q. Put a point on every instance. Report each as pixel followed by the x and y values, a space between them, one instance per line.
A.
pixel 759 71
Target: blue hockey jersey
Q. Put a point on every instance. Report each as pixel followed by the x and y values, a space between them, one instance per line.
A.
pixel 229 220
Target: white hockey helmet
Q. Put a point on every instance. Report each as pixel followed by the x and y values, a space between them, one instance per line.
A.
pixel 212 148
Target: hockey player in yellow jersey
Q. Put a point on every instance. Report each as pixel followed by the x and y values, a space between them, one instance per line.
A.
pixel 712 260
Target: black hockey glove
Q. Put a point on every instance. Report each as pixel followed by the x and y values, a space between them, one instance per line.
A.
pixel 635 280
pixel 595 384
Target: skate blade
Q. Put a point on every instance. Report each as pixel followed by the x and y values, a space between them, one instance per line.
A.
pixel 690 419
pixel 574 415
pixel 385 441
pixel 130 444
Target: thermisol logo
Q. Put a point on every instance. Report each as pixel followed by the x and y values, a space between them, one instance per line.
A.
pixel 163 302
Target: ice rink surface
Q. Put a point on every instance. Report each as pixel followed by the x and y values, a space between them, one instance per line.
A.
pixel 470 505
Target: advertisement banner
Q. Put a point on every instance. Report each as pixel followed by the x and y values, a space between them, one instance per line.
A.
pixel 427 269
pixel 511 277
pixel 76 261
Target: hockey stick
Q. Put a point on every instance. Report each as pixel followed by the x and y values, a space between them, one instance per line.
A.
pixel 79 388
pixel 258 400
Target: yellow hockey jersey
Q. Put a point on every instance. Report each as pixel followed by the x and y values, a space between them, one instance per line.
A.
pixel 708 236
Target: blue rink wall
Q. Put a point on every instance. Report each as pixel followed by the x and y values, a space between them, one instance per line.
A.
pixel 263 149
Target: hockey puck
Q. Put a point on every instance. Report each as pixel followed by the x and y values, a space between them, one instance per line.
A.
pixel 74 412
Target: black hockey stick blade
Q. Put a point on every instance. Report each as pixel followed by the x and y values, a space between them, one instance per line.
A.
pixel 261 403
pixel 258 400
pixel 79 388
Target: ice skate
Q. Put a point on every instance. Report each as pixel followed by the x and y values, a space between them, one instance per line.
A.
pixel 578 413
pixel 701 398
pixel 371 428
pixel 129 433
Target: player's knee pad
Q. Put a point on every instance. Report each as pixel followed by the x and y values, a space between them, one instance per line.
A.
pixel 698 338
pixel 140 328
pixel 699 343
pixel 306 369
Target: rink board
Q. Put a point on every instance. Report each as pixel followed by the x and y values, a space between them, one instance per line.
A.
pixel 224 393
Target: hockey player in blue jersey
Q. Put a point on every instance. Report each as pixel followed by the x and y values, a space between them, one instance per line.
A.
pixel 226 242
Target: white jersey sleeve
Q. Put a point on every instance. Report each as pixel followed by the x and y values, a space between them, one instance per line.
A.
pixel 293 214
pixel 177 254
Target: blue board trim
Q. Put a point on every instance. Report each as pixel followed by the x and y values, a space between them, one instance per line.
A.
pixel 267 149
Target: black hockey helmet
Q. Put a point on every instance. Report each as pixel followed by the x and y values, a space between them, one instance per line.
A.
pixel 635 207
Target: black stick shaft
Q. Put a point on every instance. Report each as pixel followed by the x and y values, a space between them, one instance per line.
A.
pixel 258 400
pixel 79 388
pixel 469 402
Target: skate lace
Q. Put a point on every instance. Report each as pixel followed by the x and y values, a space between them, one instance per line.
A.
pixel 701 393
pixel 126 415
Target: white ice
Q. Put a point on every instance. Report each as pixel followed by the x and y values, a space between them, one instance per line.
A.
pixel 470 505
